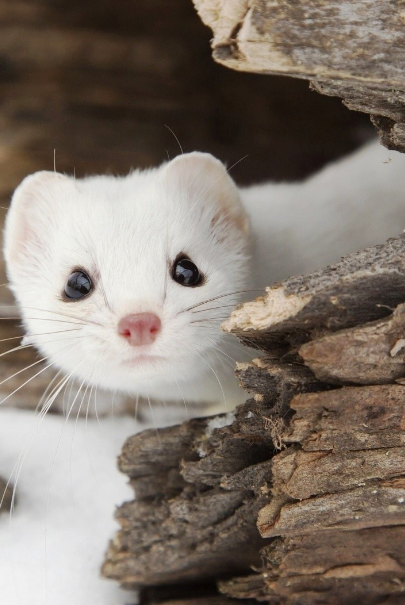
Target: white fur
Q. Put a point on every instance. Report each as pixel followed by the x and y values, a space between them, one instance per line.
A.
pixel 127 231
pixel 350 204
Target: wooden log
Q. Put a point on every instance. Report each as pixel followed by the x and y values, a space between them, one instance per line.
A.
pixel 363 286
pixel 352 51
pixel 370 354
pixel 349 419
pixel 301 475
pixel 330 568
pixel 374 506
pixel 199 488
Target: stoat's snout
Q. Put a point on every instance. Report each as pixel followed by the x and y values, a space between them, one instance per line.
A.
pixel 139 328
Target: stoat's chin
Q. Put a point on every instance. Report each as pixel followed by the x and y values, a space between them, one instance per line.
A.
pixel 143 360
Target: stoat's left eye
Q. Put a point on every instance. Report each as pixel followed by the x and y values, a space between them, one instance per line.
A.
pixel 186 273
pixel 78 285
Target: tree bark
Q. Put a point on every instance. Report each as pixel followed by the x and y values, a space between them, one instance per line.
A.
pixel 305 482
pixel 353 50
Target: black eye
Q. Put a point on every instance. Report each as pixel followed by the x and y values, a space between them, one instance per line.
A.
pixel 186 273
pixel 78 285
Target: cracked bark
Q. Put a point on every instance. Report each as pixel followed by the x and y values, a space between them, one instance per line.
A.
pixel 299 497
pixel 350 50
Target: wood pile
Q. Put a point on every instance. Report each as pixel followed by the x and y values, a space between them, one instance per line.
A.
pixel 299 496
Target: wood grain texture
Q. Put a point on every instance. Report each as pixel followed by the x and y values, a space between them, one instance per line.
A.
pixel 363 286
pixel 329 568
pixel 349 419
pixel 199 489
pixel 354 50
pixel 370 354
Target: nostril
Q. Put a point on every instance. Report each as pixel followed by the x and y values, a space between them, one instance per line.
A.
pixel 140 328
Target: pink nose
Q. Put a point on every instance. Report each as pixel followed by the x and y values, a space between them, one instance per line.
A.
pixel 140 328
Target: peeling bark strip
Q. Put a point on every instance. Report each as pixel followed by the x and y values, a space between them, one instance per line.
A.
pixel 307 478
pixel 371 354
pixel 354 50
pixel 349 419
pixel 331 568
pixel 362 287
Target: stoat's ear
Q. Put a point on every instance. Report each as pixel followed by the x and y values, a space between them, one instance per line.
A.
pixel 30 219
pixel 204 178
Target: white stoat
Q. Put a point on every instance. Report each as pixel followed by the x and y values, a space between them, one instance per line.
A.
pixel 144 268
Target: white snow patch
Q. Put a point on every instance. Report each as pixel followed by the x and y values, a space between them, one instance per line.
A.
pixel 53 545
pixel 201 452
pixel 219 423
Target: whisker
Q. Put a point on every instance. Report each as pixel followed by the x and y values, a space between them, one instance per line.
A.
pixel 112 402
pixel 43 311
pixel 102 488
pixel 41 416
pixel 21 458
pixel 136 407
pixel 41 334
pixel 44 396
pixel 66 421
pixel 43 319
pixel 216 376
pixel 223 353
pixel 95 405
pixel 154 421
pixel 14 349
pixel 29 380
pixel 209 319
pixel 221 296
pixel 104 294
pixel 212 308
pixel 178 142
pixel 184 399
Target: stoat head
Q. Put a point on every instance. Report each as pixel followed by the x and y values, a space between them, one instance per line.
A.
pixel 120 280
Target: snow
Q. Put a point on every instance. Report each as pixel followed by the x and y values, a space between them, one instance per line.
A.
pixel 52 546
pixel 219 422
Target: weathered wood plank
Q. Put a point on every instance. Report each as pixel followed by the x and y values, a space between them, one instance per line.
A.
pixel 330 568
pixel 362 287
pixel 349 419
pixel 377 506
pixel 352 50
pixel 199 488
pixel 370 354
pixel 360 41
pixel 301 475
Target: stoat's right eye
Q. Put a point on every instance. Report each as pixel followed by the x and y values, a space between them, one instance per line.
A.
pixel 78 285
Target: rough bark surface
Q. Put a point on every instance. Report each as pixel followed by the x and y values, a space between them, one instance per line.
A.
pixel 298 498
pixel 353 50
